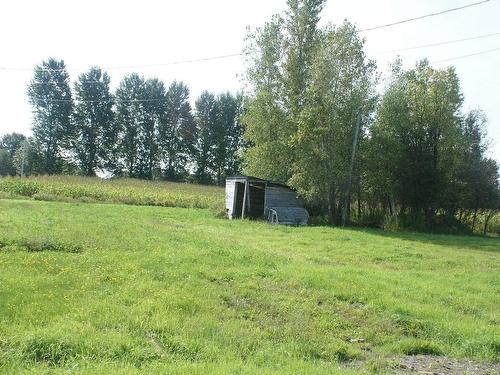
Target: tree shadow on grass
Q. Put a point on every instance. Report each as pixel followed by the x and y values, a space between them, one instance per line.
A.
pixel 466 242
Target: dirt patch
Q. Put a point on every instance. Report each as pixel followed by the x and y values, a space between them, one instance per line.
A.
pixel 430 364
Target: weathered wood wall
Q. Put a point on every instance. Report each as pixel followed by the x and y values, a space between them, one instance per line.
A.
pixel 279 196
pixel 230 191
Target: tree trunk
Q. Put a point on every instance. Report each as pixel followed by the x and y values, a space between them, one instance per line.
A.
pixel 359 199
pixel 487 220
pixel 331 204
pixel 474 219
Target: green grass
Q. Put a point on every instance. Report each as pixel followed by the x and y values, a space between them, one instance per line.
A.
pixel 125 289
pixel 127 191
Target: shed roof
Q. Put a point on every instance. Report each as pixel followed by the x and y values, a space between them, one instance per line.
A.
pixel 256 179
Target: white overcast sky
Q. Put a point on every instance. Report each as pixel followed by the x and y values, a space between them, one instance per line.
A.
pixel 124 33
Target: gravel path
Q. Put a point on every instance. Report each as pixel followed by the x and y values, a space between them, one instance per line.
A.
pixel 429 364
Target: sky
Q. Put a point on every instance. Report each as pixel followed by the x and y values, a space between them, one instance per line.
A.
pixel 119 34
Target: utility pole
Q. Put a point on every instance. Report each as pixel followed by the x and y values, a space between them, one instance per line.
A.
pixel 351 167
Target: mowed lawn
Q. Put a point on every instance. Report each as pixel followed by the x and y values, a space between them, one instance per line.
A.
pixel 111 288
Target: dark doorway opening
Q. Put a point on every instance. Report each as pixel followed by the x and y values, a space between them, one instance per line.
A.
pixel 257 193
pixel 239 192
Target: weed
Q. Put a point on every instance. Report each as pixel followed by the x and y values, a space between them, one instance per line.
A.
pixel 417 346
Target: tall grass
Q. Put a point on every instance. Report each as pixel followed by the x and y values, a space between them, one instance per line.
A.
pixel 127 191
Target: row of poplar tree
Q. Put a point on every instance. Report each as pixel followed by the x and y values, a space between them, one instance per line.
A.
pixel 316 120
pixel 142 130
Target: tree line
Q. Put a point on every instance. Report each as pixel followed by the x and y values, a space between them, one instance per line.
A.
pixel 142 130
pixel 409 156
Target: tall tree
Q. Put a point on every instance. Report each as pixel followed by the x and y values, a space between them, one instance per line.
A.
pixel 419 121
pixel 279 75
pixel 205 122
pixel 300 43
pixel 152 114
pixel 177 131
pixel 478 175
pixel 95 130
pixel 129 114
pixel 227 136
pixel 50 96
pixel 236 142
pixel 341 88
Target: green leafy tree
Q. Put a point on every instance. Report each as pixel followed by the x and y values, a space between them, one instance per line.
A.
pixel 6 165
pixel 478 174
pixel 205 117
pixel 9 144
pixel 301 40
pixel 50 96
pixel 419 122
pixel 28 158
pixel 281 55
pixel 129 115
pixel 177 132
pixel 265 116
pixel 342 86
pixel 95 129
pixel 152 114
pixel 227 136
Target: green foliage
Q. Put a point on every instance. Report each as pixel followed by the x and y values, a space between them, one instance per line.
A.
pixel 176 290
pixel 94 138
pixel 227 137
pixel 12 142
pixel 341 87
pixel 131 118
pixel 220 137
pixel 436 166
pixel 177 132
pixel 10 145
pixel 279 76
pixel 205 123
pixel 6 166
pixel 50 96
pixel 418 120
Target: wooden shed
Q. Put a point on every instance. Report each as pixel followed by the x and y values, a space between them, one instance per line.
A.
pixel 255 198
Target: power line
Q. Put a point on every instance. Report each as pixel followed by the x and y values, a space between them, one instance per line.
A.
pixel 380 52
pixel 79 82
pixel 163 99
pixel 232 55
pixel 100 101
pixel 134 66
pixel 464 56
pixel 177 62
pixel 442 43
pixel 424 16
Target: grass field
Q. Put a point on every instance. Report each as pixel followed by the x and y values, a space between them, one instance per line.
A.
pixel 113 288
